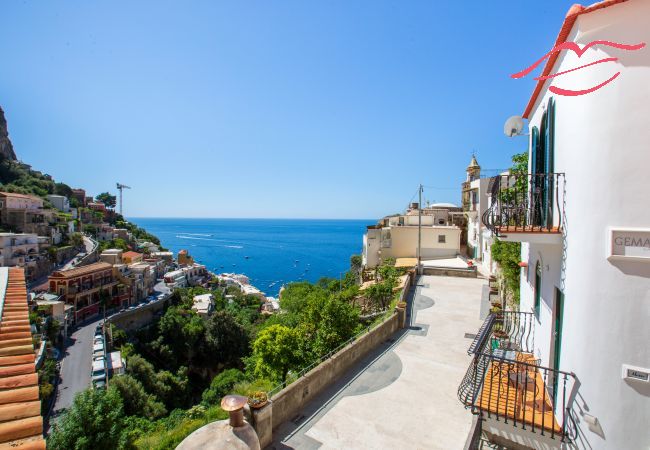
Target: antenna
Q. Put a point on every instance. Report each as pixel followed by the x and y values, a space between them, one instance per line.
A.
pixel 121 187
pixel 513 126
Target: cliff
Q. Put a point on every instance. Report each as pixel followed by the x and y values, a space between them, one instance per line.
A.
pixel 6 149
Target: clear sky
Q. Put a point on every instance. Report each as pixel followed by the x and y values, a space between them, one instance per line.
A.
pixel 314 109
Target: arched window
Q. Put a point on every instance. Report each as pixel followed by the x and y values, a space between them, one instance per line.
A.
pixel 538 288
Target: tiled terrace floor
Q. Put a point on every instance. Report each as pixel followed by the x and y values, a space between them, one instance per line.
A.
pixel 404 394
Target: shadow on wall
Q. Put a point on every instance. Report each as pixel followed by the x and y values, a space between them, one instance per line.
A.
pixel 633 268
pixel 580 412
pixel 641 387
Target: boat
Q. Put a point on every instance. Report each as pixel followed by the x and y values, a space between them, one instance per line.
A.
pixel 247 257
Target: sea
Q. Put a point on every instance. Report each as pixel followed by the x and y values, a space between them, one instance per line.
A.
pixel 271 252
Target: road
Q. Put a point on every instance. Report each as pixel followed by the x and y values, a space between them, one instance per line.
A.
pixel 76 366
pixel 88 243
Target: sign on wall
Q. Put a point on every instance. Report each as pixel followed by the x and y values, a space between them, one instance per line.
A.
pixel 629 244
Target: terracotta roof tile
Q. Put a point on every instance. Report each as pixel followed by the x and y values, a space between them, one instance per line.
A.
pixel 21 424
pixel 80 271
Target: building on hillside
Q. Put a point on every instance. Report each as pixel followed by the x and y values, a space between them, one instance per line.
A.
pixel 98 207
pixel 80 196
pixel 165 256
pixel 158 266
pixel 197 274
pixel 146 272
pixel 60 202
pixel 82 287
pixel 203 305
pixel 147 247
pixel 21 424
pixel 397 236
pixel 184 258
pixel 175 279
pixel 131 257
pixel 123 233
pixel 25 250
pixel 111 256
pixel 476 198
pixel 24 214
pixel 105 232
pixel 571 367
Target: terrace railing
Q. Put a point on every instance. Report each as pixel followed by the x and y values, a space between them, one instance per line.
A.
pixel 526 203
pixel 504 380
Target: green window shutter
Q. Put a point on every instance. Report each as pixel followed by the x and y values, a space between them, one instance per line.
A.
pixel 534 149
pixel 550 146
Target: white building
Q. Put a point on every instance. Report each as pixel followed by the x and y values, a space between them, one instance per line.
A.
pixel 582 217
pixel 203 304
pixel 60 202
pixel 397 236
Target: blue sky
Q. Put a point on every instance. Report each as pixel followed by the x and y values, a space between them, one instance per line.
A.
pixel 328 109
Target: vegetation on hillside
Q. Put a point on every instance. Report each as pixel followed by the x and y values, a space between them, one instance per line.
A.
pixel 181 365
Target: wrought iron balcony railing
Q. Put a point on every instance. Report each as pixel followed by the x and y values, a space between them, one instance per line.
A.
pixel 507 383
pixel 525 203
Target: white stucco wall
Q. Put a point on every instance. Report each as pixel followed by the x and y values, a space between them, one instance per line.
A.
pixel 602 143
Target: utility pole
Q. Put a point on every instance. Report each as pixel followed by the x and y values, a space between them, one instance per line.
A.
pixel 419 227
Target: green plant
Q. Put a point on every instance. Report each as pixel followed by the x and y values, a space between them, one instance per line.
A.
pixel 257 399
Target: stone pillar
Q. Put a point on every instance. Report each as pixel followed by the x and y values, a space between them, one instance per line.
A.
pixel 262 421
pixel 401 316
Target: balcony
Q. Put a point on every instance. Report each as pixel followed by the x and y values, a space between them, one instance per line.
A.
pixel 518 400
pixel 526 207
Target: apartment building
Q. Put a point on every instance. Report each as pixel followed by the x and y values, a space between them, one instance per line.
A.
pixel 571 367
pixel 24 250
pixel 60 202
pixel 83 287
pixel 24 213
pixel 397 236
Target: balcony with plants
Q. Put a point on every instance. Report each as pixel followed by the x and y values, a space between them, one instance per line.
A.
pixel 526 207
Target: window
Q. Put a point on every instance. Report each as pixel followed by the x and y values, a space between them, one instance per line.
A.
pixel 442 239
pixel 538 288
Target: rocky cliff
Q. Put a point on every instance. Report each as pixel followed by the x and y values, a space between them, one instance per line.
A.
pixel 6 149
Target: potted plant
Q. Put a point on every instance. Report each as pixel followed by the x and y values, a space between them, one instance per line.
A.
pixel 257 400
pixel 500 334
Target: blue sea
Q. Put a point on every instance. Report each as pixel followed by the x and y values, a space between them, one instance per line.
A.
pixel 278 250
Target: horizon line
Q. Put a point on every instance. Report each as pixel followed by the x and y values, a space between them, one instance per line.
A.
pixel 246 218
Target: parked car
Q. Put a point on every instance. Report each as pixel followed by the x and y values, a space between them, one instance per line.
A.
pixel 98 347
pixel 99 384
pixel 98 372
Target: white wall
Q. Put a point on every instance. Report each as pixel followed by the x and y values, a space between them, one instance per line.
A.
pixel 602 144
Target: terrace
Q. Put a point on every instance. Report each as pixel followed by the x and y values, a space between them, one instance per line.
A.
pixel 526 207
pixel 507 386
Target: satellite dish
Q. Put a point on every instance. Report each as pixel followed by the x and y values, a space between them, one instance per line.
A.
pixel 513 126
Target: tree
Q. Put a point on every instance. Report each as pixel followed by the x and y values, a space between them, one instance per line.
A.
pixel 95 421
pixel 227 340
pixel 277 350
pixel 136 400
pixel 329 322
pixel 62 189
pixel 168 387
pixel 77 240
pixel 379 294
pixel 221 386
pixel 107 199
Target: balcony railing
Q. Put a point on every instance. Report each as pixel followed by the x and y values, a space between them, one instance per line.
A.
pixel 526 203
pixel 506 382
